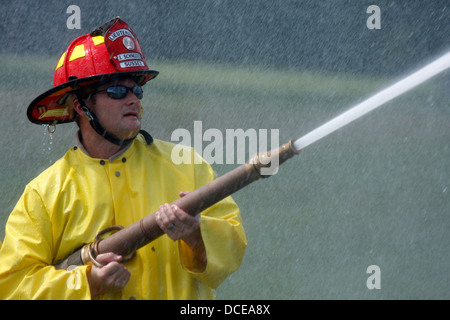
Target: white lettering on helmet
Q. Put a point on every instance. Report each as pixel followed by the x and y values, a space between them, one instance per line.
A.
pixel 120 33
pixel 132 63
pixel 129 56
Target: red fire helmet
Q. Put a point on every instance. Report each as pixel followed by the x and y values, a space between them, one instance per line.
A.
pixel 111 51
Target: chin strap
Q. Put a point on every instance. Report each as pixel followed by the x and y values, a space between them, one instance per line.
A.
pixel 95 124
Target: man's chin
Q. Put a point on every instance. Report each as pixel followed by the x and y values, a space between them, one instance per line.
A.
pixel 130 134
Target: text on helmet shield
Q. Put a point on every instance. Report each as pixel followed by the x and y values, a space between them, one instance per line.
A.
pixel 129 56
pixel 120 33
pixel 131 64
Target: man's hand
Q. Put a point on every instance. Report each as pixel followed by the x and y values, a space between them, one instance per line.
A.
pixel 179 225
pixel 113 276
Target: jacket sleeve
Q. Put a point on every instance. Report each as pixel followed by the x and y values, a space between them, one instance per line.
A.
pixel 27 254
pixel 223 235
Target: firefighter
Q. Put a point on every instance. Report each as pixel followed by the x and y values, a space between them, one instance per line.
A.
pixel 116 174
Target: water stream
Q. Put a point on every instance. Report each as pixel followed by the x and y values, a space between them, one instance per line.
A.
pixel 375 101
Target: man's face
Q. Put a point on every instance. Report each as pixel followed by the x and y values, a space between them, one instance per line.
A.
pixel 120 117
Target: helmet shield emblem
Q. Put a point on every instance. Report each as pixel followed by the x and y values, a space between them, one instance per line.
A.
pixel 123 47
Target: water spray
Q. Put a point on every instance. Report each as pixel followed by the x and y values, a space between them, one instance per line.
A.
pixel 127 240
pixel 375 101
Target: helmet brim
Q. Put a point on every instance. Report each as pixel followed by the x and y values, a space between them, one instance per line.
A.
pixel 50 107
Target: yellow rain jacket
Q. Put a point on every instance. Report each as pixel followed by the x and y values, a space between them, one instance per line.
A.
pixel 78 196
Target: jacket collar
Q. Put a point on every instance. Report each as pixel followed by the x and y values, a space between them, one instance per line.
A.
pixel 112 158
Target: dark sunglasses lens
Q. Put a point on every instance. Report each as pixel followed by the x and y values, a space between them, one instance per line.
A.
pixel 117 92
pixel 120 92
pixel 138 92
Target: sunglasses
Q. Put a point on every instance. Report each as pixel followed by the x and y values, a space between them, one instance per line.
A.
pixel 120 92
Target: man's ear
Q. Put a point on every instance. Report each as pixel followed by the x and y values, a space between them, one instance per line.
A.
pixel 81 108
pixel 77 107
pixel 79 112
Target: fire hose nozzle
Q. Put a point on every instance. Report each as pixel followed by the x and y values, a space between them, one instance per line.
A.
pixel 266 164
